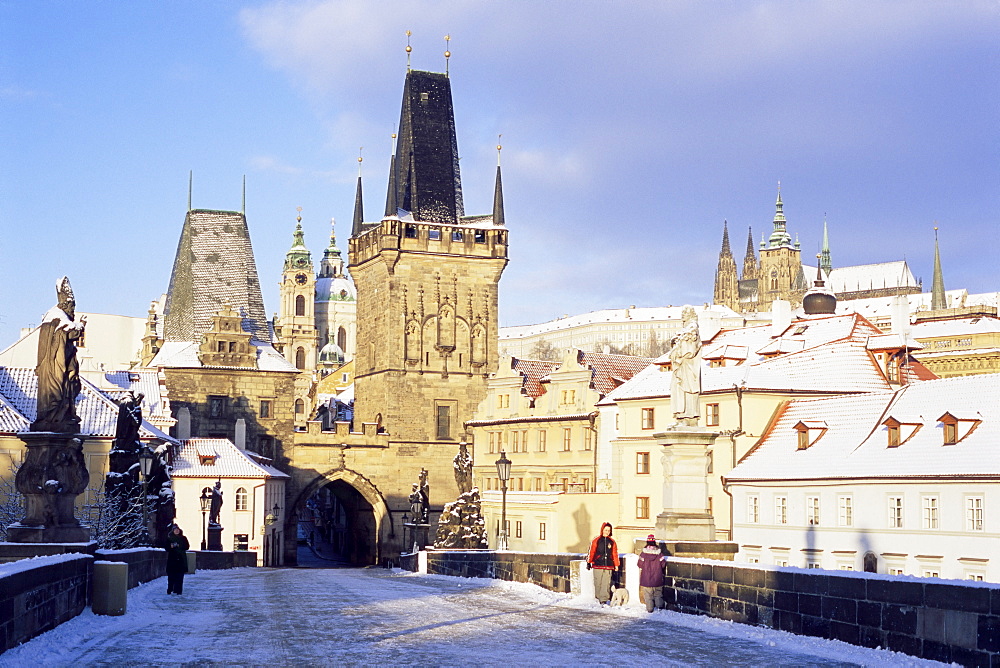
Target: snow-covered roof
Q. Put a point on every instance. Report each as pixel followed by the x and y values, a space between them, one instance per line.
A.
pixel 146 381
pixel 930 329
pixel 856 443
pixel 97 411
pixel 620 315
pixel 868 276
pixel 184 355
pixel 228 461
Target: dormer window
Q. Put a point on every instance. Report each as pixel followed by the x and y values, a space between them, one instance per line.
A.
pixel 955 429
pixel 207 460
pixel 809 431
pixel 900 431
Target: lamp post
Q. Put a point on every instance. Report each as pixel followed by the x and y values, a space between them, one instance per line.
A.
pixel 503 472
pixel 146 466
pixel 206 501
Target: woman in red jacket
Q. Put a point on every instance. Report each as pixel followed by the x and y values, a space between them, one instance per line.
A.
pixel 603 559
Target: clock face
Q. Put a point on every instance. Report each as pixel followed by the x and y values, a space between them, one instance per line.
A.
pixel 300 279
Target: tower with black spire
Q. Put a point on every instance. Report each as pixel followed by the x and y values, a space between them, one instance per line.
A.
pixel 426 277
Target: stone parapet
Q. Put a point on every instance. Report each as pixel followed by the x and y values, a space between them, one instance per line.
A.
pixel 947 621
pixel 39 596
pixel 549 571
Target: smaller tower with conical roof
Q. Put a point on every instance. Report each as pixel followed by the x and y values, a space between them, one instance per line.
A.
pixel 825 262
pixel 780 275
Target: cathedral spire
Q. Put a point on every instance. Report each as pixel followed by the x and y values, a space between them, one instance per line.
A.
pixel 750 259
pixel 780 236
pixel 824 254
pixel 498 194
pixel 726 283
pixel 390 196
pixel 938 300
pixel 725 238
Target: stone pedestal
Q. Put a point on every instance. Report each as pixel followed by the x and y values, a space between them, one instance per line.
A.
pixel 685 515
pixel 418 537
pixel 215 537
pixel 53 474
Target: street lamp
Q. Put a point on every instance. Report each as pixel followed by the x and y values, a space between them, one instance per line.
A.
pixel 146 466
pixel 206 501
pixel 503 472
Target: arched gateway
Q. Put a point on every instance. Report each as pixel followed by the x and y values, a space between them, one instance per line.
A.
pixel 348 512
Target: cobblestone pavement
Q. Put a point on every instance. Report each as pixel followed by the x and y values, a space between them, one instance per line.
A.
pixel 373 616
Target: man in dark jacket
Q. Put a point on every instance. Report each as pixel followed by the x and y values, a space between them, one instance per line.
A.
pixel 177 547
pixel 651 565
pixel 603 559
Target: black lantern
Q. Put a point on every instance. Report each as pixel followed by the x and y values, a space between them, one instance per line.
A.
pixel 206 502
pixel 146 457
pixel 503 472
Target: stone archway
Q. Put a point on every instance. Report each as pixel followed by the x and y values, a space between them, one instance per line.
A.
pixel 353 514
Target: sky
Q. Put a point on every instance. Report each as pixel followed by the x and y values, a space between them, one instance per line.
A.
pixel 630 133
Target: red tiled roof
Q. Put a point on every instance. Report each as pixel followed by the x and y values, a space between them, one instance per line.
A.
pixel 610 371
pixel 533 371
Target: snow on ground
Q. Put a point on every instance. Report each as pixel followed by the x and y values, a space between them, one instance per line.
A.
pixel 321 617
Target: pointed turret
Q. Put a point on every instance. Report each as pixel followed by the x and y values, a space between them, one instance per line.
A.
pixel 824 255
pixel 750 259
pixel 938 300
pixel 359 212
pixel 425 175
pixel 390 197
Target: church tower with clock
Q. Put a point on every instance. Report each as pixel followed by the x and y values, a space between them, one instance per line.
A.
pixel 295 324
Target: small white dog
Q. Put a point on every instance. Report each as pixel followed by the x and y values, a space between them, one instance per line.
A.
pixel 619 596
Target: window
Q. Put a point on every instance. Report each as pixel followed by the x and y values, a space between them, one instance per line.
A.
pixel 503 401
pixel 541 531
pixel 648 420
pixel 524 441
pixel 265 408
pixel 456 235
pixel 300 305
pixel 753 509
pixel 300 358
pixel 241 542
pixel 493 442
pixel 567 438
pixel 216 406
pixel 241 499
pixel 781 510
pixel 893 435
pixel 444 422
pixel 712 415
pixel 642 507
pixel 232 346
pixel 845 511
pixel 812 510
pixel 803 440
pixel 542 436
pixel 517 529
pixel 410 232
pixel 568 397
pixel 895 570
pixel 221 345
pixel 434 233
pixel 480 236
pixel 710 466
pixel 642 463
pixel 973 513
pixel 950 433
pixel 930 512
pixel 895 512
pixel 300 407
pixel 974 575
pixel 588 436
pixel 931 573
pixel 515 445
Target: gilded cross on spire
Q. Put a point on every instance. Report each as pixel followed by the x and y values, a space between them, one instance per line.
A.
pixel 447 53
pixel 499 148
pixel 360 159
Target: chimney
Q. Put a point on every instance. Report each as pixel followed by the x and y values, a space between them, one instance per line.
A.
pixel 241 434
pixel 781 317
pixel 900 322
pixel 183 423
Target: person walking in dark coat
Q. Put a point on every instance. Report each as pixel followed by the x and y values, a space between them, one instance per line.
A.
pixel 651 565
pixel 177 547
pixel 603 559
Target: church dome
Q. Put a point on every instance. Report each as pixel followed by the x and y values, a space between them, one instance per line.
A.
pixel 335 289
pixel 331 354
pixel 819 300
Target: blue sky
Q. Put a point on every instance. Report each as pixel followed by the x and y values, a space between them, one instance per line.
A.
pixel 629 135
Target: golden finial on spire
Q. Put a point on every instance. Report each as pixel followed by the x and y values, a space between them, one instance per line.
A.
pixel 360 159
pixel 447 53
pixel 409 49
pixel 499 148
pixel 298 218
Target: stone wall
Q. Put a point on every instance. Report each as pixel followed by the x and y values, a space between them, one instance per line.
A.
pixel 550 571
pixel 144 564
pixel 41 594
pixel 942 620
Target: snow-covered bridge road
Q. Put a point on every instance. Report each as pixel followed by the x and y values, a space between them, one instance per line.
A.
pixel 372 616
